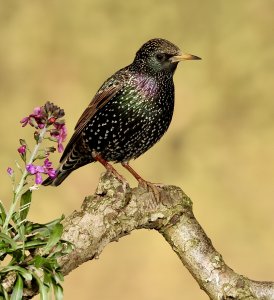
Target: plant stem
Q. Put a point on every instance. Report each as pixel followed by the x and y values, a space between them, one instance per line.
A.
pixel 17 192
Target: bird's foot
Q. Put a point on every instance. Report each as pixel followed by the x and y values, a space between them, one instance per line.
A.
pixel 151 187
pixel 111 170
pixel 118 176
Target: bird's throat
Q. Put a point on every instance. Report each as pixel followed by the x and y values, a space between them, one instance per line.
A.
pixel 145 86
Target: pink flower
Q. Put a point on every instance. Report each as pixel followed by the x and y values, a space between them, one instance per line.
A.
pixel 36 119
pixel 61 138
pixel 37 111
pixel 38 178
pixel 39 170
pixel 49 116
pixel 24 121
pixel 48 168
pixel 31 168
pixel 60 134
pixel 43 116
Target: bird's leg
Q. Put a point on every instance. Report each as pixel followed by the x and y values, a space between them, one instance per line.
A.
pixel 98 157
pixel 146 184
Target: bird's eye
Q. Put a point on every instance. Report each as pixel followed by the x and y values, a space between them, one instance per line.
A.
pixel 160 57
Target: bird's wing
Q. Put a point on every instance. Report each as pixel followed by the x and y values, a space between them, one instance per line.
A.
pixel 103 96
pixel 100 99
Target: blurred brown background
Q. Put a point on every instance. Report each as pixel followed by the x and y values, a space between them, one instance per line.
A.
pixel 219 148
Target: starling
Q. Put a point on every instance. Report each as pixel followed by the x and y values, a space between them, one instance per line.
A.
pixel 128 115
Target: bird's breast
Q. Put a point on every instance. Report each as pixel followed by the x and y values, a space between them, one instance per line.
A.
pixel 133 120
pixel 147 87
pixel 144 97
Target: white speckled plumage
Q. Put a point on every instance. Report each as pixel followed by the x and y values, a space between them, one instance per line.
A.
pixel 130 112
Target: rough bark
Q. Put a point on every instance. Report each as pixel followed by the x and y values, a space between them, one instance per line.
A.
pixel 114 211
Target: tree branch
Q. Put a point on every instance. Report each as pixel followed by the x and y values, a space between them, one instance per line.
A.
pixel 112 213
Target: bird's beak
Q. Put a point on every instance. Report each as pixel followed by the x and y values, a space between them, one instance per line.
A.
pixel 184 56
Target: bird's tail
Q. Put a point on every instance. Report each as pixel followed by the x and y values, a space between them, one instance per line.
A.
pixel 58 179
pixel 72 161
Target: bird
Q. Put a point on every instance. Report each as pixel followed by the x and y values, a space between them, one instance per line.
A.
pixel 130 112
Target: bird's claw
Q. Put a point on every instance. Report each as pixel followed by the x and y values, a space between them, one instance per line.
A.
pixel 153 187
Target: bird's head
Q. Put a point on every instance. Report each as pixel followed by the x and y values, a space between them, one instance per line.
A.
pixel 160 55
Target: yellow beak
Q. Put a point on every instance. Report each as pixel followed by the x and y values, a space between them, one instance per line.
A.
pixel 184 56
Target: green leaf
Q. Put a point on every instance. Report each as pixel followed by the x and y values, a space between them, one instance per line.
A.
pixel 43 290
pixel 50 149
pixel 58 277
pixel 25 273
pixel 58 291
pixel 54 237
pixel 4 293
pixel 19 167
pixel 22 142
pixel 43 232
pixel 45 263
pixel 2 213
pixel 40 156
pixel 34 244
pixel 48 278
pixel 25 204
pixel 8 240
pixel 51 224
pixel 32 228
pixel 17 292
pixel 38 261
pixel 19 225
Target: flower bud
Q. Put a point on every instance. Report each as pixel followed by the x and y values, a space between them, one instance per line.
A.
pixel 33 122
pixel 36 136
pixel 51 120
pixel 22 149
pixel 10 171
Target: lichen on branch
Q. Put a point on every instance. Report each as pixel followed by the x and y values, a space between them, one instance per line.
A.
pixel 113 212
